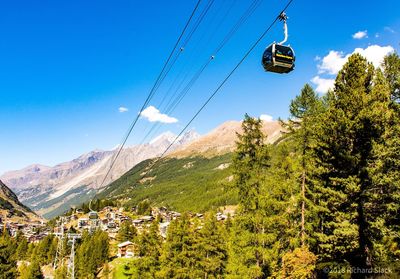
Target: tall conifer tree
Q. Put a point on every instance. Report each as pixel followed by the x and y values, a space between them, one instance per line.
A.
pixel 249 247
pixel 350 133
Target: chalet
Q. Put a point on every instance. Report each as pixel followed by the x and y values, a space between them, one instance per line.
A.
pixel 111 225
pixel 171 215
pixel 110 215
pixel 125 250
pixel 36 238
pixel 124 219
pixel 59 229
pixel 147 218
pixel 108 209
pixel 137 222
pixel 83 222
pixel 221 217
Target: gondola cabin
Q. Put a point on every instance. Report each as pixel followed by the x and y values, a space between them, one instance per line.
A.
pixel 278 59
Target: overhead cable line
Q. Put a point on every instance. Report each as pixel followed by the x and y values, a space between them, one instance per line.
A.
pixel 218 88
pixel 177 99
pixel 226 39
pixel 158 81
pixel 163 74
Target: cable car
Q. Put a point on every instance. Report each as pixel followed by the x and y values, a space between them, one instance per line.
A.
pixel 277 57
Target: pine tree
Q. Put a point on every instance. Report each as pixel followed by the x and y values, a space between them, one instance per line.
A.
pixel 61 272
pixel 51 253
pixel 29 252
pixel 149 251
pixel 8 262
pixel 127 232
pixel 383 198
pixel 178 258
pixel 92 253
pixel 250 247
pixel 23 270
pixel 22 248
pixel 41 252
pixel 391 67
pixel 350 133
pixel 34 271
pixel 298 264
pixel 144 207
pixel 250 160
pixel 303 110
pixel 211 248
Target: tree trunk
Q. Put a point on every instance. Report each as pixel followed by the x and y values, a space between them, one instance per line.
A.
pixel 303 197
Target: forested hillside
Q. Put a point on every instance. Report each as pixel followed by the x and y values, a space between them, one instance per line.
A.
pixel 188 184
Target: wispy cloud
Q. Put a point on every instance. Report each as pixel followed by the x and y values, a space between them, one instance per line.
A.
pixel 360 34
pixel 266 118
pixel 123 109
pixel 388 29
pixel 152 114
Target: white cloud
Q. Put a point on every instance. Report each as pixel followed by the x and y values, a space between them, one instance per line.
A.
pixel 154 115
pixel 123 109
pixel 375 53
pixel 360 34
pixel 266 118
pixel 334 61
pixel 323 84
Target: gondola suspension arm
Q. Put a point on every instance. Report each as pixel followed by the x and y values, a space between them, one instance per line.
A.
pixel 283 17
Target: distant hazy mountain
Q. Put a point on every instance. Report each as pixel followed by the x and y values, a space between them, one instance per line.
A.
pixel 222 139
pixel 11 208
pixel 52 190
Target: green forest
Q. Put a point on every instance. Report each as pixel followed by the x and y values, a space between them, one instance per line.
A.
pixel 322 202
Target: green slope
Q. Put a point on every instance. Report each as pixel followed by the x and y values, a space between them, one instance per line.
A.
pixel 187 184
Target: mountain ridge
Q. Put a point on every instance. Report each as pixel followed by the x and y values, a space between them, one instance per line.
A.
pixel 50 190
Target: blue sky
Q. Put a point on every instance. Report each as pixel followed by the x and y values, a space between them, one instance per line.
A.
pixel 66 67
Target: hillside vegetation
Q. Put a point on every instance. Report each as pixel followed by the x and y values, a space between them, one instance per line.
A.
pixel 12 208
pixel 187 184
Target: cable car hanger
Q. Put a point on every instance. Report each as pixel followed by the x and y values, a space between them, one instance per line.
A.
pixel 277 57
pixel 283 17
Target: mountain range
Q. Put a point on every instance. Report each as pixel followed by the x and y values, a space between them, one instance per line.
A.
pixel 50 191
